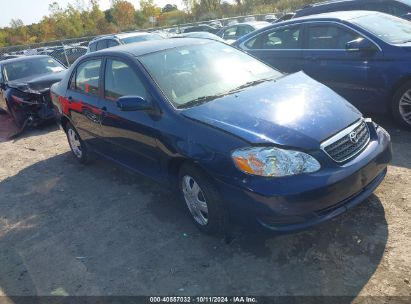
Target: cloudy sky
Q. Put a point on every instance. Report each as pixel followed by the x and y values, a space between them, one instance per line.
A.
pixel 31 11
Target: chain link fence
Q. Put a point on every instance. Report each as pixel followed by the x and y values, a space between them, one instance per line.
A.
pixel 66 51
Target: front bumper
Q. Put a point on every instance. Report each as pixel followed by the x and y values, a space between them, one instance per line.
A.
pixel 294 203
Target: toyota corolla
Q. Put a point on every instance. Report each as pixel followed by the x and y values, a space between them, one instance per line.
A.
pixel 238 139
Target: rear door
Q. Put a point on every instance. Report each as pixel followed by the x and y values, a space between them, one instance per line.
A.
pixel 83 100
pixel 352 74
pixel 278 47
pixel 130 136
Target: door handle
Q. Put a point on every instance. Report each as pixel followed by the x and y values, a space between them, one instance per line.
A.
pixel 70 99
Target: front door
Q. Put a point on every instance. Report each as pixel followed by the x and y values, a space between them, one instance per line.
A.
pixel 352 74
pixel 129 135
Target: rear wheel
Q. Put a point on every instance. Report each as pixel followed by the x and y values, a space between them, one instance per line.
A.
pixel 401 105
pixel 77 146
pixel 203 200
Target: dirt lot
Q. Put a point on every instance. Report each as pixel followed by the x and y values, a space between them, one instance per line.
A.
pixel 100 230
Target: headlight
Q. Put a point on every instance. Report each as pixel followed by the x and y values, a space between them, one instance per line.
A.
pixel 271 161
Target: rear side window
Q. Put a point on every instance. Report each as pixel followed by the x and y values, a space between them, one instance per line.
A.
pixel 285 38
pixel 329 36
pixel 121 80
pixel 102 44
pixel 86 77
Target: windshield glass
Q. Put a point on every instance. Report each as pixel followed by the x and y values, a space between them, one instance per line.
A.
pixel 30 67
pixel 203 71
pixel 408 2
pixel 388 28
pixel 140 38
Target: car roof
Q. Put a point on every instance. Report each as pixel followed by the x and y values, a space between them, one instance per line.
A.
pixel 24 58
pixel 335 16
pixel 120 36
pixel 151 46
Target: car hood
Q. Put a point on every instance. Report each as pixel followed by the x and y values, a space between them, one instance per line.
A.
pixel 294 111
pixel 37 83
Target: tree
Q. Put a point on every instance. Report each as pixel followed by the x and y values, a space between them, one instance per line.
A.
pixel 148 8
pixel 169 8
pixel 16 23
pixel 123 14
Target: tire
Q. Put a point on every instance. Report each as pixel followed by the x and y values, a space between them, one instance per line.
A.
pixel 77 145
pixel 401 105
pixel 16 114
pixel 211 216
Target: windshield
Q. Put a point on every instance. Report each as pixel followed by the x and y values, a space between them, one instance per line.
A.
pixel 203 71
pixel 31 67
pixel 140 38
pixel 408 2
pixel 388 28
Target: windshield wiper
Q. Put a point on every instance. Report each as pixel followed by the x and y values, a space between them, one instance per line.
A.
pixel 200 100
pixel 251 83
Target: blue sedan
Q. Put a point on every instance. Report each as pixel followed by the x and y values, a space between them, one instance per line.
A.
pixel 238 139
pixel 364 56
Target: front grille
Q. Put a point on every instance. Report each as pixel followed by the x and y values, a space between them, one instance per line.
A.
pixel 348 143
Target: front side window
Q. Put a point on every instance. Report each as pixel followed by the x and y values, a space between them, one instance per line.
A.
pixel 201 72
pixel 329 36
pixel 285 38
pixel 86 77
pixel 244 30
pixel 93 47
pixel 121 80
pixel 102 44
pixel 231 32
pixel 112 43
pixel 388 28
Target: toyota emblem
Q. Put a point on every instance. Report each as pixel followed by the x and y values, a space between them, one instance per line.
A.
pixel 353 137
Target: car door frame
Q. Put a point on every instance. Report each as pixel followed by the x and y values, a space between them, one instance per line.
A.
pixel 346 89
pixel 150 154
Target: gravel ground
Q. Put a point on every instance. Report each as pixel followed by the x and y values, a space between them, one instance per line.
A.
pixel 68 229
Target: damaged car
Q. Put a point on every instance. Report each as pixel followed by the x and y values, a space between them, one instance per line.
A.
pixel 25 88
pixel 238 139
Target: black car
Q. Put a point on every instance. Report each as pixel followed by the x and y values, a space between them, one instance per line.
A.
pixel 399 8
pixel 25 87
pixel 68 55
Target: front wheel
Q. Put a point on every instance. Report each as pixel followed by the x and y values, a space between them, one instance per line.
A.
pixel 401 105
pixel 17 114
pixel 77 146
pixel 203 200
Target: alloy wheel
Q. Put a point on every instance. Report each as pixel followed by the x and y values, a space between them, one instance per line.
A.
pixel 405 107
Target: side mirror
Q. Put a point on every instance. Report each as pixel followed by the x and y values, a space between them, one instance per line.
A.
pixel 360 45
pixel 133 103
